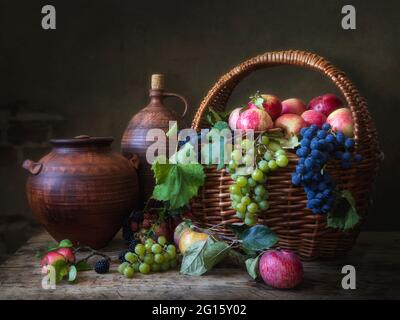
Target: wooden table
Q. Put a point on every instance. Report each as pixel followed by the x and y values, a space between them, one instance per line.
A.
pixel 376 259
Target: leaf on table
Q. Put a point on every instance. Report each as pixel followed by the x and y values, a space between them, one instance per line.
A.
pixel 73 272
pixel 344 215
pixel 177 183
pixel 252 267
pixel 202 256
pixel 83 266
pixel 193 259
pixel 215 253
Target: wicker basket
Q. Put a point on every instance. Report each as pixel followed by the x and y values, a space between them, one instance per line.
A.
pixel 298 229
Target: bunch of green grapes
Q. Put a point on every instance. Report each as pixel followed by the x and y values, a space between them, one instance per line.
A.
pixel 149 257
pixel 248 193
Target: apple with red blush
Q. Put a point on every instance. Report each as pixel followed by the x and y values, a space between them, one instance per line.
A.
pixel 341 120
pixel 294 106
pixel 326 103
pixel 270 103
pixel 234 117
pixel 254 119
pixel 291 123
pixel 281 269
pixel 313 117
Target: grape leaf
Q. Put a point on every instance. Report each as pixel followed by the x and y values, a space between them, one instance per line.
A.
pixel 213 116
pixel 252 267
pixel 254 239
pixel 185 155
pixel 193 259
pixel 221 125
pixel 344 215
pixel 288 143
pixel 258 238
pixel 177 183
pixel 202 256
pixel 215 253
pixel 238 229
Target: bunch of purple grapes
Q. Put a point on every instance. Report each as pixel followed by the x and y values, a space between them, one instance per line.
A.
pixel 316 147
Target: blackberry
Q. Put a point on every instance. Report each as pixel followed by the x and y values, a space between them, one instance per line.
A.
pixel 132 245
pixel 102 266
pixel 121 256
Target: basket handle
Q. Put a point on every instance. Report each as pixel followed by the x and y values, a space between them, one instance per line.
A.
pixel 221 91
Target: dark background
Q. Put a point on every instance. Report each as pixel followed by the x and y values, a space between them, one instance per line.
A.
pixel 91 74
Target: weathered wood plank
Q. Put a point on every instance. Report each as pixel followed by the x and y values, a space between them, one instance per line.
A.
pixel 376 258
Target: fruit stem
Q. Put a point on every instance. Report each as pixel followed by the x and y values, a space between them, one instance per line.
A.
pixel 92 254
pixel 210 233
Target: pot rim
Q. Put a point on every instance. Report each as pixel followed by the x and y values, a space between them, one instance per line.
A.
pixel 82 140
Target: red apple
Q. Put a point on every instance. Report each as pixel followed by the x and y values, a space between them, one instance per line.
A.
pixel 255 119
pixel 281 269
pixel 341 120
pixel 233 118
pixel 292 123
pixel 314 117
pixel 68 254
pixel 271 104
pixel 326 103
pixel 51 258
pixel 293 105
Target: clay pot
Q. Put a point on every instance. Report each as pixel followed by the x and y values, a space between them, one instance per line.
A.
pixel 154 116
pixel 82 190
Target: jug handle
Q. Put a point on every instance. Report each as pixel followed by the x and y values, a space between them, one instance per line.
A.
pixel 174 95
pixel 133 159
pixel 33 167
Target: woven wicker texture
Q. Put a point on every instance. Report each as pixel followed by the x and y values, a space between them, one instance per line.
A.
pixel 298 229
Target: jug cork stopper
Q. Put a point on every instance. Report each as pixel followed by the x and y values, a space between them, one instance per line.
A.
pixel 157 82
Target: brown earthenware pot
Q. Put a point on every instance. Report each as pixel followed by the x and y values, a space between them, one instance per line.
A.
pixel 154 116
pixel 82 190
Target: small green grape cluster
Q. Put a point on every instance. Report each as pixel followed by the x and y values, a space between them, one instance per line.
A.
pixel 149 257
pixel 248 193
